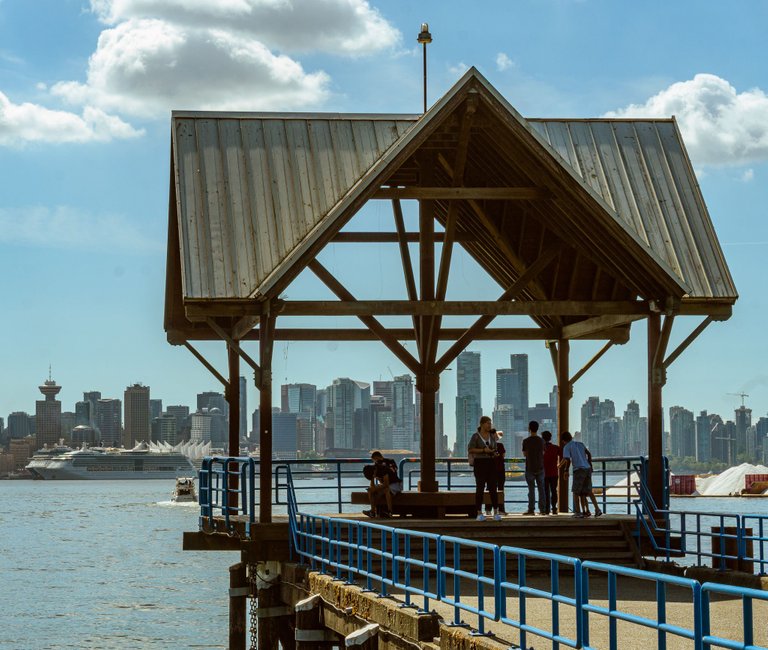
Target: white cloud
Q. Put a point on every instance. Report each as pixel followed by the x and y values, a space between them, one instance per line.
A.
pixel 503 62
pixel 459 69
pixel 748 176
pixel 159 55
pixel 350 27
pixel 25 123
pixel 720 126
pixel 66 228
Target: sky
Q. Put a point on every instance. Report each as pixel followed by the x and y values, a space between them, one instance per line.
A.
pixel 86 91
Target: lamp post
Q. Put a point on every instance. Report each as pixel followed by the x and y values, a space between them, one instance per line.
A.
pixel 424 38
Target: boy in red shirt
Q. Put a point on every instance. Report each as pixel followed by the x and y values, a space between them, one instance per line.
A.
pixel 552 455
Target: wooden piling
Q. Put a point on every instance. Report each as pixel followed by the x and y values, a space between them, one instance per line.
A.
pixel 238 591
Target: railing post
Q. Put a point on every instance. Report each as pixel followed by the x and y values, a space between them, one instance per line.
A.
pixel 338 484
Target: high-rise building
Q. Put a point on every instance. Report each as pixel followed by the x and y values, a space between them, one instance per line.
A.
pixel 381 422
pixel 92 397
pixel 512 389
pixel 109 421
pixel 243 408
pixel 155 408
pixel 68 422
pixel 200 427
pixel 682 430
pixel 761 432
pixel 136 416
pixel 468 399
pixel 635 444
pixel 590 424
pixel 19 425
pixel 301 399
pixel 210 400
pixel 742 422
pixel 165 429
pixel 383 389
pixel 403 414
pixel 83 414
pixel 181 413
pixel 703 438
pixel 48 414
pixel 349 414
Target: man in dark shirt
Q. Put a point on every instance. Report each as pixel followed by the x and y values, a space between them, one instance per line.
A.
pixel 533 450
pixel 385 484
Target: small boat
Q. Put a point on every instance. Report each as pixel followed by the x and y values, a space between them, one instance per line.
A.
pixel 184 492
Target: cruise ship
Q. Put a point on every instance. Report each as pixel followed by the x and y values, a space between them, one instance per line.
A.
pixel 141 462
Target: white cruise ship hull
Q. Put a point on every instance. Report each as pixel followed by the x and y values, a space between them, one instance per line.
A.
pixel 112 467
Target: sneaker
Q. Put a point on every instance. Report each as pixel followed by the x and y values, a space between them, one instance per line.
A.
pixel 554 511
pixel 529 512
pixel 369 513
pixel 543 512
pixel 497 516
pixel 587 514
pixel 386 515
pixel 480 516
pixel 502 512
pixel 598 512
pixel 577 515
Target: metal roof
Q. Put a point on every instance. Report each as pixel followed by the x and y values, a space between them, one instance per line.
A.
pixel 642 171
pixel 254 196
pixel 251 189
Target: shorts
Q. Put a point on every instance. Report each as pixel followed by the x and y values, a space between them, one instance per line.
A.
pixel 582 482
pixel 396 488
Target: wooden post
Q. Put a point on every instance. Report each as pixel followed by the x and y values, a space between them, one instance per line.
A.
pixel 427 384
pixel 238 590
pixel 269 599
pixel 310 632
pixel 266 330
pixel 563 406
pixel 655 416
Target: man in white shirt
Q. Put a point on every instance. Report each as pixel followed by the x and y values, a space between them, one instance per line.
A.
pixel 576 454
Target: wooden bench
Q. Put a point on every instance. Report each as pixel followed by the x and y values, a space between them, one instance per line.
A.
pixel 430 504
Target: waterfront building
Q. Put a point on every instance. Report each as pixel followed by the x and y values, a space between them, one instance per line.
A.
pixel 590 424
pixel 155 408
pixel 381 421
pixel 167 429
pixel 22 450
pixel 703 438
pixel 109 421
pixel 92 397
pixel 742 422
pixel 512 389
pixel 19 425
pixel 213 400
pixel 634 442
pixel 403 414
pixel 83 414
pixel 243 408
pixel 200 427
pixel 468 399
pixel 348 414
pixel 137 415
pixel 682 430
pixel 83 434
pixel 48 414
pixel 68 422
pixel 181 413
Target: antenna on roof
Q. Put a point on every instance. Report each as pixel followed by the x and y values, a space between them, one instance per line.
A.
pixel 424 38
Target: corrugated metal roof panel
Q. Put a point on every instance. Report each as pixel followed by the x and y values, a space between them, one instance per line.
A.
pixel 251 189
pixel 642 171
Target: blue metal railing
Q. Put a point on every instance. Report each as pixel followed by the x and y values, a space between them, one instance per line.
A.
pixel 729 541
pixel 747 597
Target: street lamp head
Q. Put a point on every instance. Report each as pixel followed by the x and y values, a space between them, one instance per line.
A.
pixel 424 36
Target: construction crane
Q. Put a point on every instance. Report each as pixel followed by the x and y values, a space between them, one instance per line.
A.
pixel 742 395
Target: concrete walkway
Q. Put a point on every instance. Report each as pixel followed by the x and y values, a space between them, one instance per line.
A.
pixel 636 597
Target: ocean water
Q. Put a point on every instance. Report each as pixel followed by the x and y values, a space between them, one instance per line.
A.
pixel 98 564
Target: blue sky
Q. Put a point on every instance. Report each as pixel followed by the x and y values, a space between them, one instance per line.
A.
pixel 86 90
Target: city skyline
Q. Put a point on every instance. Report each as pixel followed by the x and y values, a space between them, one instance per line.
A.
pixel 84 214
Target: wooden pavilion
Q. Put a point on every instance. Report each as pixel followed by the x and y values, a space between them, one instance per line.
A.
pixel 586 225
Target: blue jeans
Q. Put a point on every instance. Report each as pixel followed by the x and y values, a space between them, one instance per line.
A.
pixel 537 479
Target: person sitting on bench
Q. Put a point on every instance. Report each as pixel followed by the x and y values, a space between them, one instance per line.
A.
pixel 384 483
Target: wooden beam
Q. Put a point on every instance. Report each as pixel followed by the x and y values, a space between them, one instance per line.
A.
pixel 371 323
pixel 688 340
pixel 477 193
pixel 266 349
pixel 234 344
pixel 564 391
pixel 207 364
pixel 392 237
pixel 590 363
pixel 595 324
pixel 420 308
pixel 405 258
pixel 617 335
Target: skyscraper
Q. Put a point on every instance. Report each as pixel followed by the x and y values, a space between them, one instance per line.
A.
pixel 742 420
pixel 634 444
pixel 48 414
pixel 109 421
pixel 703 438
pixel 348 414
pixel 155 408
pixel 512 389
pixel 137 415
pixel 403 420
pixel 682 431
pixel 92 397
pixel 212 399
pixel 468 399
pixel 243 408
